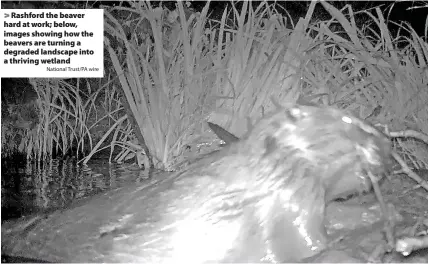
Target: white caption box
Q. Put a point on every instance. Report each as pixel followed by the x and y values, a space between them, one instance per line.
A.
pixel 62 43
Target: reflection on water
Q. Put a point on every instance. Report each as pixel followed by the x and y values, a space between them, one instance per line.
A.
pixel 56 184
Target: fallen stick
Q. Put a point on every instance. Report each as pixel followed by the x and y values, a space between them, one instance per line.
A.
pixel 409 172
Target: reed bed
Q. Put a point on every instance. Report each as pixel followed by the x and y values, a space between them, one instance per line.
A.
pixel 170 71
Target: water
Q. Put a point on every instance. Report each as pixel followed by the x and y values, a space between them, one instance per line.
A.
pixel 57 184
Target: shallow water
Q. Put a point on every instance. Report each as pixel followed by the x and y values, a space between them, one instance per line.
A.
pixel 33 188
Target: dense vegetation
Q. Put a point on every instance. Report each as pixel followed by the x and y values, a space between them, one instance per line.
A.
pixel 169 71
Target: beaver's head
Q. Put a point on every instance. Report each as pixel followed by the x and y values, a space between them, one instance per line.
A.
pixel 340 149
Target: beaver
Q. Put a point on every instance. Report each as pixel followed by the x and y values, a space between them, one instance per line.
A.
pixel 339 190
pixel 259 199
pixel 262 198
